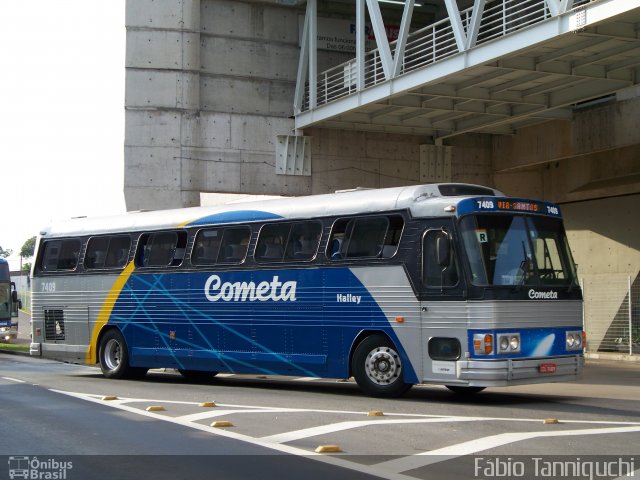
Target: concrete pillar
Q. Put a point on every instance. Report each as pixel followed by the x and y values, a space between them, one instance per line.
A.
pixel 162 99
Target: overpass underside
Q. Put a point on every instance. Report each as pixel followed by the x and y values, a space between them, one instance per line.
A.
pixel 539 98
pixel 494 68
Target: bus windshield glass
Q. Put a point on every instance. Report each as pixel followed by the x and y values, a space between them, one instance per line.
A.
pixel 5 296
pixel 517 250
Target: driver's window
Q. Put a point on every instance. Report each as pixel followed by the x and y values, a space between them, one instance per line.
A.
pixel 434 275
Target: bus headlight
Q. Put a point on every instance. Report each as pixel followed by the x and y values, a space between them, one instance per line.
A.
pixel 574 340
pixel 509 342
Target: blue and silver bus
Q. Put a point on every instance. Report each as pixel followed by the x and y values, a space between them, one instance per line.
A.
pixel 9 304
pixel 449 284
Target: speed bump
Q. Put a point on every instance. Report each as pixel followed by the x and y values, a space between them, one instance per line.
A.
pixel 207 404
pixel 551 421
pixel 155 408
pixel 109 397
pixel 328 449
pixel 221 424
pixel 375 413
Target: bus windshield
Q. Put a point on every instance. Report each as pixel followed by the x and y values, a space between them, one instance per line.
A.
pixel 5 296
pixel 516 250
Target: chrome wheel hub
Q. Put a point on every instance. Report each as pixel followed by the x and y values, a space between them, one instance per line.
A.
pixel 383 365
pixel 112 354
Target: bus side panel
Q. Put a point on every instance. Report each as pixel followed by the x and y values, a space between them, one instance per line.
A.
pixel 63 309
pixel 287 322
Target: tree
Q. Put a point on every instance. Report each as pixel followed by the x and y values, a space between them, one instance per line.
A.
pixel 5 253
pixel 28 248
pixel 26 267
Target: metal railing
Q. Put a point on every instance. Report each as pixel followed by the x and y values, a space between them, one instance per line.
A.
pixel 432 44
pixel 612 313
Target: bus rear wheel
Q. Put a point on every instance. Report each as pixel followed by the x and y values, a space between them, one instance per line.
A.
pixel 114 357
pixel 377 368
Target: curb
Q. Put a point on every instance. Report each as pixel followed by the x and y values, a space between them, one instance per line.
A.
pixel 15 352
pixel 612 357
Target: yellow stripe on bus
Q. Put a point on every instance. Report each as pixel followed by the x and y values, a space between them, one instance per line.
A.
pixel 105 311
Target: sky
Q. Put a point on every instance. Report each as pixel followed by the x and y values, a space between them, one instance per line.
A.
pixel 62 113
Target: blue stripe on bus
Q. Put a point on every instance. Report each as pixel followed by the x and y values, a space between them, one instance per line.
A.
pixel 234 217
pixel 274 329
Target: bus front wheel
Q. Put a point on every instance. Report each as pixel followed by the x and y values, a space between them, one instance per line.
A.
pixel 114 357
pixel 377 368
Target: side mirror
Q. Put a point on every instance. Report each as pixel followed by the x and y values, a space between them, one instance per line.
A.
pixel 443 251
pixel 14 296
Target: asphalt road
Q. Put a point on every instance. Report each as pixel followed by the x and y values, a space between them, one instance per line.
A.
pixel 57 411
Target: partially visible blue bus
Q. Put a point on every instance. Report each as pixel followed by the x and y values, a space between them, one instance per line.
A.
pixel 9 304
pixel 449 284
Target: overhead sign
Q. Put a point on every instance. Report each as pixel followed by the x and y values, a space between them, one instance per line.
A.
pixel 339 35
pixel 493 204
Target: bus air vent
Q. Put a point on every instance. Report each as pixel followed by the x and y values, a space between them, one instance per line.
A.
pixel 54 325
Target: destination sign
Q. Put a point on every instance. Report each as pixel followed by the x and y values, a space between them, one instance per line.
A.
pixel 494 204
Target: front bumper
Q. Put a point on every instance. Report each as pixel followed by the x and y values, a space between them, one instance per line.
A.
pixel 502 373
pixel 8 333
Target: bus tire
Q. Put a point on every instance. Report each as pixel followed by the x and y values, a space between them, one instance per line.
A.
pixel 464 390
pixel 377 368
pixel 114 356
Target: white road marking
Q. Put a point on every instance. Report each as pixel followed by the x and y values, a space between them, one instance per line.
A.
pixel 221 413
pixel 332 460
pixel 306 379
pixel 467 448
pixel 11 379
pixel 393 469
pixel 337 427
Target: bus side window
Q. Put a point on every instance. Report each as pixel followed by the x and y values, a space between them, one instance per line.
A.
pixel 118 252
pixel 365 237
pixel 107 252
pixel 392 240
pixel 50 256
pixel 60 255
pixel 161 249
pixel 235 242
pixel 303 241
pixel 206 247
pixel 434 275
pixel 272 242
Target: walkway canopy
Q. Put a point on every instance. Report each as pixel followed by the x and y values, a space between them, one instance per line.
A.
pixel 492 68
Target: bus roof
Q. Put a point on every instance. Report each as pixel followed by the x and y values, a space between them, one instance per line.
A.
pixel 421 200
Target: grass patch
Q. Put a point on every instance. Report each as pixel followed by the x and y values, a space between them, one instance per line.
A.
pixel 15 347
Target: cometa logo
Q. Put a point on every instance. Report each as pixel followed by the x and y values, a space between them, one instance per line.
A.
pixel 274 290
pixel 550 295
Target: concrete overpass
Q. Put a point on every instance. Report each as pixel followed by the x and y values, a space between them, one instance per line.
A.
pixel 539 98
pixel 493 68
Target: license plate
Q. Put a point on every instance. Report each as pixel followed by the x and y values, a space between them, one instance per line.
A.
pixel 547 368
